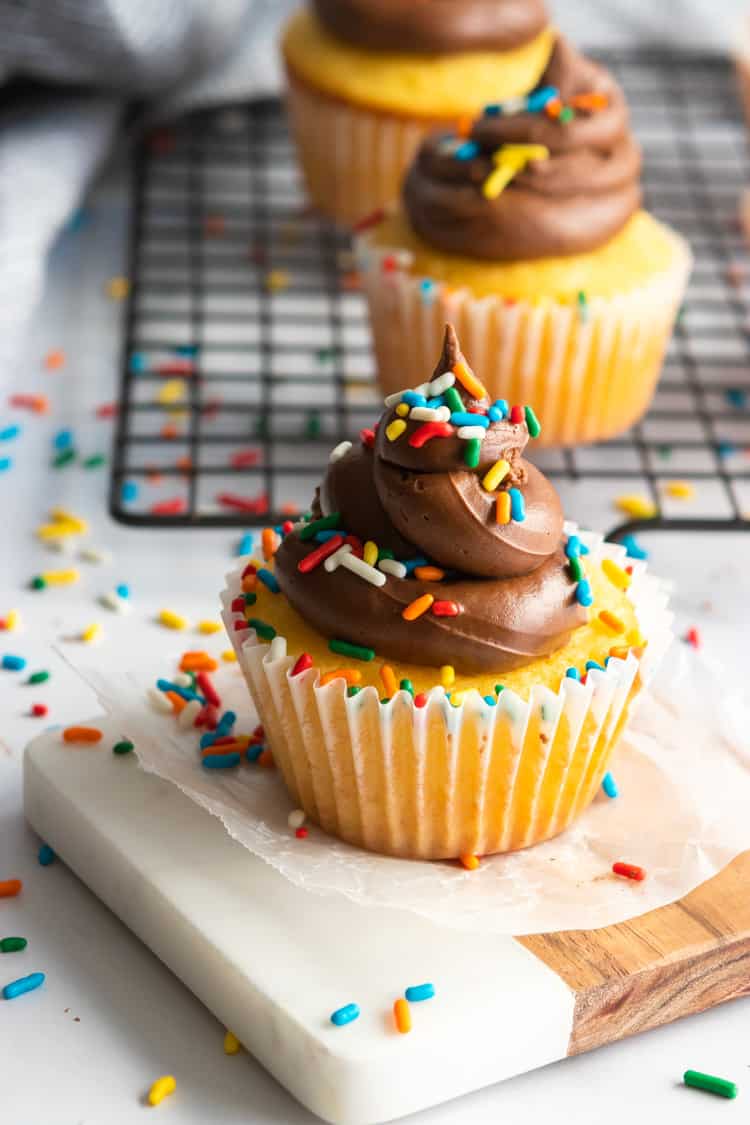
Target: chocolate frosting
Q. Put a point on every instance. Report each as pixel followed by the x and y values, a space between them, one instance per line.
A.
pixel 515 595
pixel 576 199
pixel 433 26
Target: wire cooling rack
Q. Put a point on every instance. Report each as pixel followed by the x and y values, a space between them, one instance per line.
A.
pixel 247 355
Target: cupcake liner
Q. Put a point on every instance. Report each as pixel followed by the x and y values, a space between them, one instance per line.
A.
pixel 442 781
pixel 742 70
pixel 589 373
pixel 353 158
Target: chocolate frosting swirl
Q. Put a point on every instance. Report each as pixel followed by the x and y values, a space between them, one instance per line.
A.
pixel 576 199
pixel 510 582
pixel 433 26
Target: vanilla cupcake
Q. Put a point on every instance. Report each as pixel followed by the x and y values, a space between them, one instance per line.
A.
pixel 367 79
pixel 450 666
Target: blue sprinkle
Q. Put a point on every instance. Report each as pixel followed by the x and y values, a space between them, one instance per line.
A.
pixel 345 1015
pixel 467 419
pixel 517 505
pixel 225 724
pixel 254 752
pixel 221 761
pixel 187 349
pixel 494 109
pixel 13 663
pixel 434 403
pixel 138 363
pixel 129 491
pixel 63 439
pixel 499 410
pixel 23 984
pixel 245 545
pixel 593 664
pixel 184 693
pixel 492 700
pixel 9 433
pixel 122 590
pixel 736 396
pixel 572 674
pixel 77 220
pixel 723 448
pixel 5 463
pixel 584 549
pixel 609 785
pixel 208 739
pixel 538 99
pixel 324 536
pixel 46 855
pixel 467 151
pixel 573 547
pixel 426 290
pixel 584 596
pixel 412 564
pixel 417 992
pixel 633 548
pixel 411 398
pixel 269 580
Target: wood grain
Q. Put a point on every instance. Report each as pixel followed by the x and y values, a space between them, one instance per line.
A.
pixel 669 963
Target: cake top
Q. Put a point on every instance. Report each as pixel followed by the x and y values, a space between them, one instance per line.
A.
pixel 433 540
pixel 433 26
pixel 553 173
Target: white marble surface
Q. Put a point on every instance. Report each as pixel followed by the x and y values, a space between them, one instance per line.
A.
pixel 136 1019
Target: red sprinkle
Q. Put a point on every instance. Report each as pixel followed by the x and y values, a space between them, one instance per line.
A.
pixel 630 871
pixel 9 888
pixel 244 458
pixel 240 625
pixel 303 663
pixel 286 527
pixel 420 699
pixel 255 504
pixel 315 558
pixel 169 507
pixel 238 605
pixel 370 220
pixel 210 717
pixel 249 569
pixel 207 689
pixel 516 415
pixel 176 367
pixel 389 263
pixel 693 637
pixel 367 437
pixel 301 833
pixel 259 731
pixel 39 710
pixel 356 545
pixel 430 430
pixel 106 410
pixel 445 609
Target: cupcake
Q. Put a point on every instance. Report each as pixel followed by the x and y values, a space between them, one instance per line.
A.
pixel 530 235
pixel 442 666
pixel 369 78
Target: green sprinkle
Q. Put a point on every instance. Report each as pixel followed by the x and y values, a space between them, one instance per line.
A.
pixel 123 747
pixel 265 631
pixel 533 424
pixel 665 452
pixel 261 425
pixel 472 449
pixel 312 425
pixel 407 685
pixel 64 458
pixel 383 702
pixel 38 583
pixel 566 114
pixel 94 461
pixel 353 690
pixel 453 401
pixel 720 1086
pixel 576 570
pixel 251 599
pixel 358 652
pixel 323 355
pixel 583 306
pixel 12 944
pixel 384 553
pixel 38 678
pixel 324 524
pixel 499 688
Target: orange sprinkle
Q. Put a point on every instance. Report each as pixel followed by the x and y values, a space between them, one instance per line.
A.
pixel 270 542
pixel 54 359
pixel 429 573
pixel 82 734
pixel 595 99
pixel 249 582
pixel 266 759
pixel 351 675
pixel 9 888
pixel 198 662
pixel 185 464
pixel 464 125
pixel 240 743
pixel 402 1015
pixel 553 108
pixel 502 508
pixel 176 700
pixel 470 862
pixel 469 380
pixel 620 652
pixel 612 621
pixel 169 431
pixel 214 225
pixel 351 281
pixel 416 608
pixel 390 683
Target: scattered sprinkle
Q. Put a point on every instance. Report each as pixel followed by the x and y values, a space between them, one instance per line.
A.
pixel 415 993
pixel 356 652
pixel 347 1014
pixel 161 1089
pixel 232 1045
pixel 296 818
pixel 633 549
pixel 639 507
pixel 91 633
pixel 46 856
pixel 708 1082
pixel 9 888
pixel 276 281
pixel 402 1016
pixel 124 746
pixel 692 637
pixel 416 608
pixel 470 862
pixel 680 489
pixel 609 785
pixel 22 985
pixel 12 663
pixel 117 288
pixel 12 944
pixel 171 620
pixel 629 871
pixel 82 734
pixel 38 710
pixel 55 359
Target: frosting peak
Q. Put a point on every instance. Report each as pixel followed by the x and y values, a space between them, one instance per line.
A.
pixel 551 174
pixel 433 26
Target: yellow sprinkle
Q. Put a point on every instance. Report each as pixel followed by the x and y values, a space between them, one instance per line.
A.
pixel 447 675
pixel 229 656
pixel 370 552
pixel 12 620
pixel 639 507
pixel 403 410
pixel 612 621
pixel 416 608
pixel 469 380
pixel 680 489
pixel 617 576
pixel 457 698
pixel 498 180
pixel 117 288
pixel 172 620
pixel 276 281
pixel 390 683
pixel 232 1045
pixel 509 161
pixel 502 508
pixel 60 577
pixel 161 1088
pixel 172 391
pixel 523 152
pixel 64 515
pixel 636 638
pixel 495 475
pixel 395 429
pixel 91 632
pixel 49 532
pixel 210 627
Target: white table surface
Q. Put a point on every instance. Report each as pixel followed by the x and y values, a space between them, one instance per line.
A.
pixel 88 1052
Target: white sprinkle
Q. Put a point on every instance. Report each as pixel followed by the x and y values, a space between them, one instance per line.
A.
pixel 466 433
pixel 296 818
pixel 62 546
pixel 423 389
pixel 391 566
pixel 333 562
pixel 428 414
pixel 340 451
pixel 437 386
pixel 113 601
pixel 362 569
pixel 159 701
pixel 277 651
pixel 188 714
pixel 182 679
pixel 94 555
pixel 514 105
pixel 393 400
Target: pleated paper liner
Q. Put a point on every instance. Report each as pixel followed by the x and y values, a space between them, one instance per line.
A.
pixel 438 782
pixel 589 373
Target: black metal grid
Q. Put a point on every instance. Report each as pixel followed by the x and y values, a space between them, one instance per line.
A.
pixel 283 365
